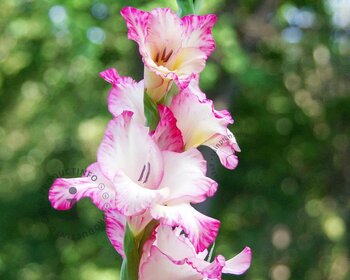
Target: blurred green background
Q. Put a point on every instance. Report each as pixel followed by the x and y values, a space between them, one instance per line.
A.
pixel 281 67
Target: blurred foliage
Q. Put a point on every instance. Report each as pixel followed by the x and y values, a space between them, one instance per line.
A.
pixel 281 67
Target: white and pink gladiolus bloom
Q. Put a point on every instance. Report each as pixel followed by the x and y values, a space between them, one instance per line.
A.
pixel 201 124
pixel 169 253
pixel 148 170
pixel 143 174
pixel 172 48
pixel 195 116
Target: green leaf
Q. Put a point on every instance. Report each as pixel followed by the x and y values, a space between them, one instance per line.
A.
pixel 186 7
pixel 151 112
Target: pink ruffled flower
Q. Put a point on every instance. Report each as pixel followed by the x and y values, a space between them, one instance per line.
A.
pixel 201 124
pixel 172 49
pixel 128 95
pixel 192 113
pixel 169 254
pixel 139 175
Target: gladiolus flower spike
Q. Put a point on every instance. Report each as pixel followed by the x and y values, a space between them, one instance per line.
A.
pixel 148 171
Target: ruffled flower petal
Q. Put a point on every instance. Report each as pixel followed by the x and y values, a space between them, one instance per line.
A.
pixel 125 95
pixel 157 33
pixel 168 252
pixel 226 148
pixel 160 266
pixel 64 193
pixel 165 31
pixel 198 32
pixel 115 228
pixel 201 124
pixel 184 177
pixel 189 60
pixel 167 135
pixel 172 48
pixel 172 243
pixel 155 85
pixel 131 198
pixel 137 23
pixel 240 263
pixel 201 229
pixel 208 270
pixel 196 119
pixel 120 149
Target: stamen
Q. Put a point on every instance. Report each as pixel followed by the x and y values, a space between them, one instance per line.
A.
pixel 168 56
pixel 148 172
pixel 141 175
pixel 164 53
pixel 157 58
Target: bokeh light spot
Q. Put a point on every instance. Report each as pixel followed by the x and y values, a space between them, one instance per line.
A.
pixel 280 272
pixel 58 14
pixel 96 35
pixel 99 11
pixel 334 228
pixel 281 237
pixel 321 55
pixel 292 35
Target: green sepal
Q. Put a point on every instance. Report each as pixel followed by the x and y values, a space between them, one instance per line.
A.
pixel 146 234
pixel 133 245
pixel 151 112
pixel 168 98
pixel 130 266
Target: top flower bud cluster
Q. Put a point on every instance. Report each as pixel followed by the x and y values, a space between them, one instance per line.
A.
pixel 148 166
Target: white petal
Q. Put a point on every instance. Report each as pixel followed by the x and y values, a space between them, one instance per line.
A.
pixel 240 263
pixel 226 148
pixel 131 198
pixel 155 85
pixel 165 30
pixel 126 95
pixel 184 177
pixel 188 61
pixel 201 229
pixel 159 267
pixel 171 244
pixel 197 32
pixel 127 146
pixel 196 119
pixel 139 222
pixel 137 22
